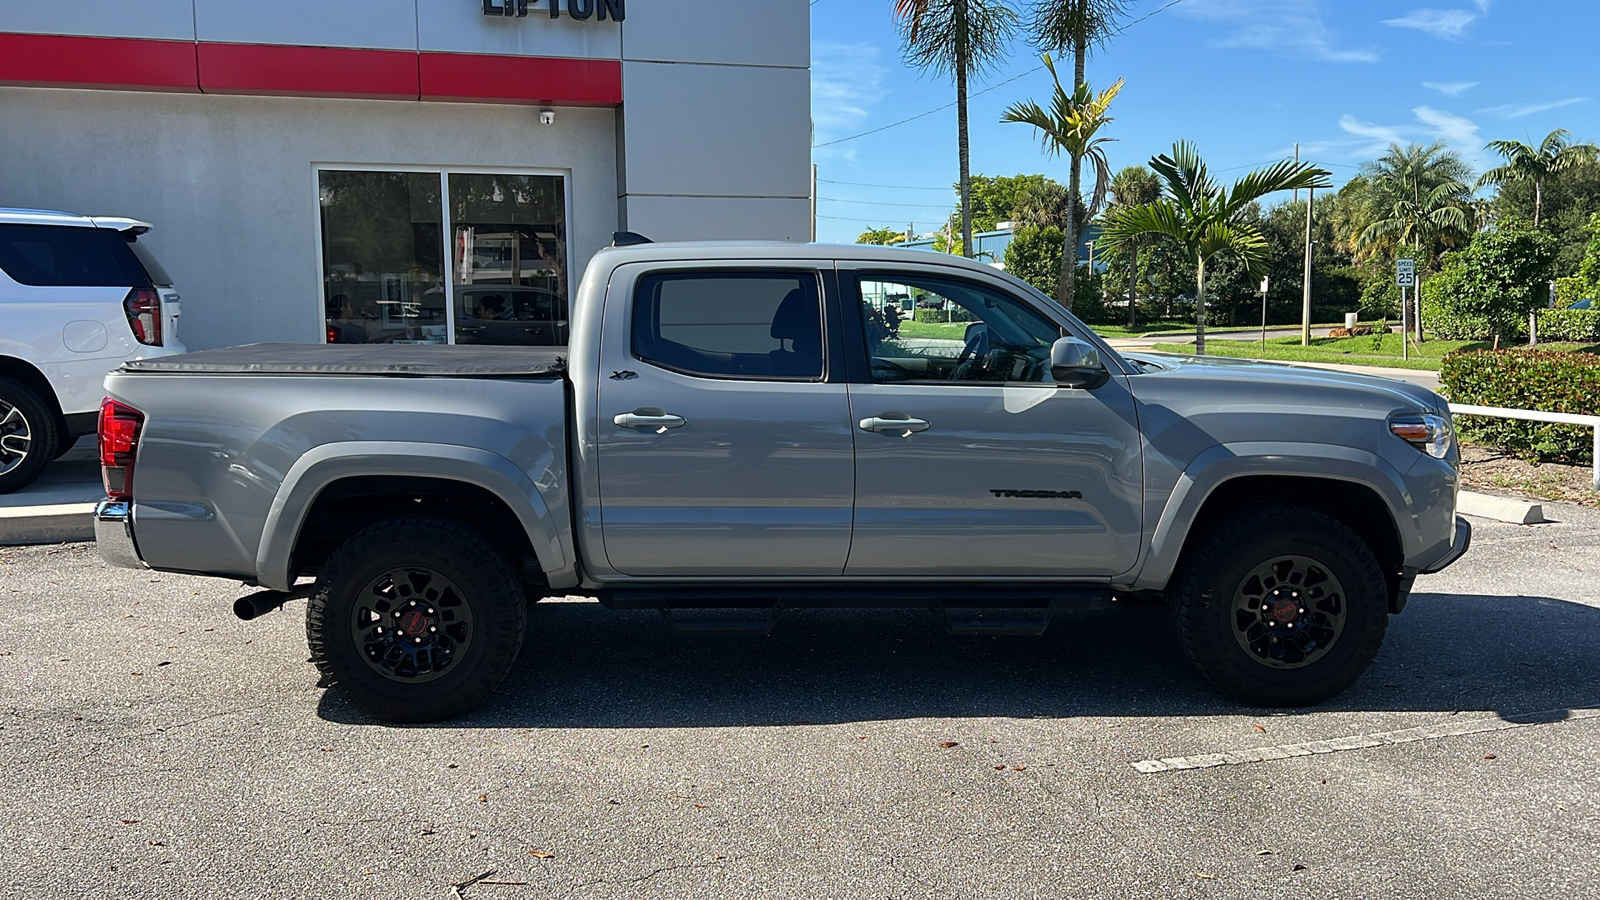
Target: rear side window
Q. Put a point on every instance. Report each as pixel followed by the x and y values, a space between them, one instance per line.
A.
pixel 147 260
pixel 62 256
pixel 762 325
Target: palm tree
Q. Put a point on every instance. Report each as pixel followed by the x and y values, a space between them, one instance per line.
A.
pixel 1416 196
pixel 882 236
pixel 1555 154
pixel 1071 125
pixel 1074 26
pixel 1203 218
pixel 1134 186
pixel 961 38
pixel 1042 206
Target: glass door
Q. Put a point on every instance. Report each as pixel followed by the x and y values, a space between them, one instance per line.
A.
pixel 382 257
pixel 509 258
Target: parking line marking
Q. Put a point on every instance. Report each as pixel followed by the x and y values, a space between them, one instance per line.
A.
pixel 1363 741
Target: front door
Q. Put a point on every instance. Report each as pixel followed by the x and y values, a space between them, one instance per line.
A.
pixel 969 459
pixel 724 448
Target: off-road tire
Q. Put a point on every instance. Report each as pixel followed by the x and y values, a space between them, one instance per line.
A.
pixel 488 585
pixel 1210 580
pixel 44 433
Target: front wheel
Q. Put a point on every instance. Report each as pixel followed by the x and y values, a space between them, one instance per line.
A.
pixel 1281 606
pixel 416 619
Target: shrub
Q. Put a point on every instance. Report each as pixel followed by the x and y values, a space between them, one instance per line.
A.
pixel 953 314
pixel 1034 255
pixel 1490 287
pixel 1581 325
pixel 1550 381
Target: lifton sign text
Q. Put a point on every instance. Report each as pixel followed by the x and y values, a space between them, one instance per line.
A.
pixel 577 9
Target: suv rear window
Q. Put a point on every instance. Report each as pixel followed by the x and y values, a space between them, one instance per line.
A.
pixel 62 256
pixel 152 266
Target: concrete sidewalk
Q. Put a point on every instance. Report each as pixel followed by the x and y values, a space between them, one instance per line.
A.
pixel 59 505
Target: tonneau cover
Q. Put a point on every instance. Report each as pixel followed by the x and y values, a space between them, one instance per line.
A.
pixel 435 360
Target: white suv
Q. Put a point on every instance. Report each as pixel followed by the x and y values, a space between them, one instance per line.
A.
pixel 78 296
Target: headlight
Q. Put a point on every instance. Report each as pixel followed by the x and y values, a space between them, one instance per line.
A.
pixel 1427 432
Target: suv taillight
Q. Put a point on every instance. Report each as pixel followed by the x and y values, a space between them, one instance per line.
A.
pixel 143 307
pixel 120 425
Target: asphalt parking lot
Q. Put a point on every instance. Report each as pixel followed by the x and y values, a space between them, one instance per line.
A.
pixel 156 747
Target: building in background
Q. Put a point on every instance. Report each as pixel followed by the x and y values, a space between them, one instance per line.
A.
pixel 435 171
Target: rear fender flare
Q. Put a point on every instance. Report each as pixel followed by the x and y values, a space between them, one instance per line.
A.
pixel 329 463
pixel 1225 462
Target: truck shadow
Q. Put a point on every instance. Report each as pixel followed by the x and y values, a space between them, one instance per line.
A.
pixel 587 667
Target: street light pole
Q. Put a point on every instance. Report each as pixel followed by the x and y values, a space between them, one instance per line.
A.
pixel 1265 282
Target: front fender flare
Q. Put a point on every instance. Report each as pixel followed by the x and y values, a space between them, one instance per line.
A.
pixel 1226 462
pixel 325 464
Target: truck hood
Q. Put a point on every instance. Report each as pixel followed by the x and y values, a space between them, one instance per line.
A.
pixel 1273 377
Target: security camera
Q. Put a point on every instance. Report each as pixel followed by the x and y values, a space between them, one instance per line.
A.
pixel 547 117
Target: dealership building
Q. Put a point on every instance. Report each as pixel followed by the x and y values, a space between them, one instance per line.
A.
pixel 408 171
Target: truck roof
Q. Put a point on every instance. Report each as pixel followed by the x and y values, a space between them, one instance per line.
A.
pixel 782 250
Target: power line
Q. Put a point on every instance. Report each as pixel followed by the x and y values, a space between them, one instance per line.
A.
pixel 880 203
pixel 977 93
pixel 898 187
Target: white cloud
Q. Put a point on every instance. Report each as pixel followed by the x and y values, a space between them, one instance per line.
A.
pixel 1376 138
pixel 1518 110
pixel 1371 139
pixel 1451 88
pixel 846 84
pixel 1445 24
pixel 1291 28
pixel 1459 132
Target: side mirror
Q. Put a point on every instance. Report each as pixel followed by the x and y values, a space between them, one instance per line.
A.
pixel 1075 364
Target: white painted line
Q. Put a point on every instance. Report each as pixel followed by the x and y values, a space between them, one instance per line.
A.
pixel 1362 741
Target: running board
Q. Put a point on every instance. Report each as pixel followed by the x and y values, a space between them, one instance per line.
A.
pixel 953 595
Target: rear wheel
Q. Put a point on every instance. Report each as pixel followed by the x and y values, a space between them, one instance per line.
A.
pixel 28 435
pixel 1281 606
pixel 416 619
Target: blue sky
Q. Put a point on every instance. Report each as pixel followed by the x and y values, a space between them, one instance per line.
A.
pixel 1244 79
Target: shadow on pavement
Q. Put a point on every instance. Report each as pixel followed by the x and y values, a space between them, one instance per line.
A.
pixel 588 667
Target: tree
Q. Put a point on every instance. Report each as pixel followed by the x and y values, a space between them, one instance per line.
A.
pixel 1554 155
pixel 1416 196
pixel 1134 186
pixel 1074 26
pixel 995 199
pixel 882 236
pixel 960 38
pixel 1034 255
pixel 1072 126
pixel 1042 206
pixel 1568 199
pixel 1203 218
pixel 1490 287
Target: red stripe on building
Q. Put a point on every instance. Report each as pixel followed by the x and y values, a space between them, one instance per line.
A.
pixel 290 71
pixel 135 64
pixel 476 78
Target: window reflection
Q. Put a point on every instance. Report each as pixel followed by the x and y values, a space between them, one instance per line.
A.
pixel 508 240
pixel 383 278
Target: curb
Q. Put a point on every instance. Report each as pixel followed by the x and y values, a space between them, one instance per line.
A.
pixel 1501 509
pixel 53 524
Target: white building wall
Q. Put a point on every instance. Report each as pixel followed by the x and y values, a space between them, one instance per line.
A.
pixel 228 182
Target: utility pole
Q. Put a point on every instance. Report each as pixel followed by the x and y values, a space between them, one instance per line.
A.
pixel 1305 309
pixel 1297 162
pixel 813 203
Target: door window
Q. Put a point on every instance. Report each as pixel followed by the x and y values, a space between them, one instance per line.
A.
pixel 749 325
pixel 968 333
pixel 61 256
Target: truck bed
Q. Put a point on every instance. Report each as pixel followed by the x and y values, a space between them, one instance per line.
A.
pixel 432 361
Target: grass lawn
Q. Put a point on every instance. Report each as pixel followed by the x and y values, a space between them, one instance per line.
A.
pixel 955 331
pixel 1374 350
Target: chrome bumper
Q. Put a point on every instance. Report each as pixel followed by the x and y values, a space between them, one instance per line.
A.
pixel 113 534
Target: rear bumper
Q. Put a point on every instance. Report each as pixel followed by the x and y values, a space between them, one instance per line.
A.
pixel 113 534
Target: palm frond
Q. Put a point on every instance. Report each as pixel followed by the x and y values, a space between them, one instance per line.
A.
pixel 1163 217
pixel 1286 175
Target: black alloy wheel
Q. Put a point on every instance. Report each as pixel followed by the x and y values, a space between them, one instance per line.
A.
pixel 1280 605
pixel 416 619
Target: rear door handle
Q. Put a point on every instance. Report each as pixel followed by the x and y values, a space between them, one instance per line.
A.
pixel 894 422
pixel 653 419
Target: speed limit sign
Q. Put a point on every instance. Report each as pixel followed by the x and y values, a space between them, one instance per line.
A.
pixel 1405 272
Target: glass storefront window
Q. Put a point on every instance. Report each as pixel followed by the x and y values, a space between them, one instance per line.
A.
pixel 386 275
pixel 509 248
pixel 382 266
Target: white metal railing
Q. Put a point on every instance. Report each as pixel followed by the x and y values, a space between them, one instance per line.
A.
pixel 1531 415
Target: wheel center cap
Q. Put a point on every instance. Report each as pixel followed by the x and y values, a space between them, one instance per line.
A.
pixel 413 623
pixel 1285 610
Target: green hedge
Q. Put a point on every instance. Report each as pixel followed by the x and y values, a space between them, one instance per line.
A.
pixel 1581 325
pixel 953 314
pixel 1550 381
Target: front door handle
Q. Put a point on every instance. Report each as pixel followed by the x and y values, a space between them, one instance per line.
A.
pixel 892 423
pixel 653 419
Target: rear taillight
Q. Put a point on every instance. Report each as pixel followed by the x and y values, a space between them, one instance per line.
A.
pixel 143 307
pixel 120 425
pixel 333 335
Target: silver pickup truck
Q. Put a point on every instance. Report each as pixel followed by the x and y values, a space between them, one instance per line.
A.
pixel 751 427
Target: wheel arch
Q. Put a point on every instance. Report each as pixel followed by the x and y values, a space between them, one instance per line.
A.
pixel 336 490
pixel 1357 489
pixel 33 378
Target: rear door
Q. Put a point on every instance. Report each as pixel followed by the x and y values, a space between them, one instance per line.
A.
pixel 725 440
pixel 969 459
